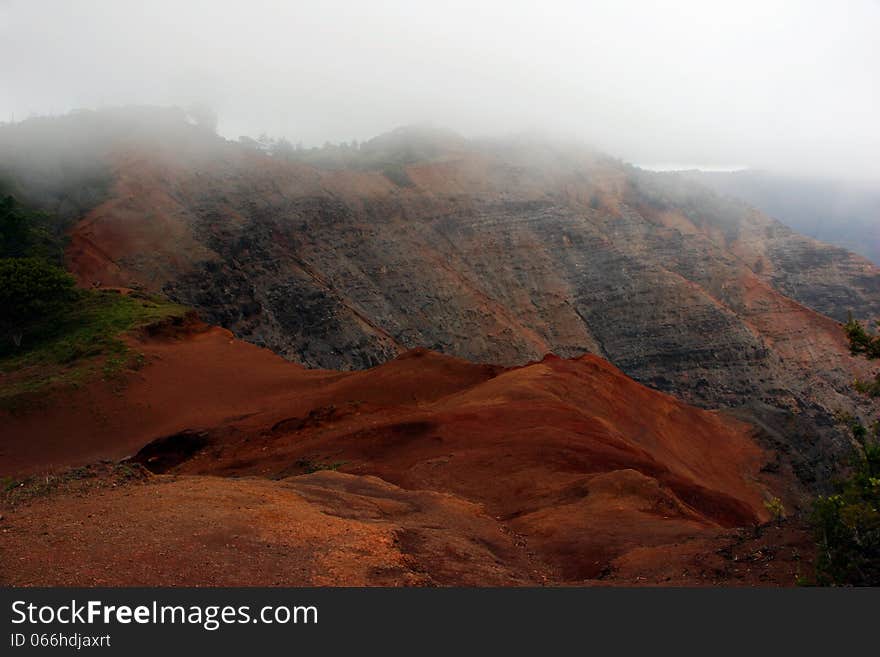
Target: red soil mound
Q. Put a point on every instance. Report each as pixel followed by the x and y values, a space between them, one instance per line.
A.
pixel 455 473
pixel 247 532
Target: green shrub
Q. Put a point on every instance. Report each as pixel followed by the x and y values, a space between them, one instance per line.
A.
pixel 26 233
pixel 860 341
pixel 63 350
pixel 847 524
pixel 775 508
pixel 32 291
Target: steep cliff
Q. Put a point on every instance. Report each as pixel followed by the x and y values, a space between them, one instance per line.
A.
pixel 493 251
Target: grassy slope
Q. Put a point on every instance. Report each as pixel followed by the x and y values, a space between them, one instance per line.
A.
pixel 85 343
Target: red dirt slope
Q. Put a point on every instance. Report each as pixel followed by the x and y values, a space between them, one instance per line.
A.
pixel 449 473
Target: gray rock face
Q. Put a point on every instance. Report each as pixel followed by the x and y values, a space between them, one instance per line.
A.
pixel 506 283
pixel 502 253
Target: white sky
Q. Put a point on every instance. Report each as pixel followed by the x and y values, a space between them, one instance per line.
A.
pixel 791 86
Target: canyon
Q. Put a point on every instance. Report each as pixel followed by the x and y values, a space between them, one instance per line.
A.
pixel 427 360
pixel 496 251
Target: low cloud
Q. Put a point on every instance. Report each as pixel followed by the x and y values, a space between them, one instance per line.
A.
pixel 791 86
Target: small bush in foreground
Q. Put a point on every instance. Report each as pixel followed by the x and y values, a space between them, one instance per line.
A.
pixel 775 508
pixel 847 523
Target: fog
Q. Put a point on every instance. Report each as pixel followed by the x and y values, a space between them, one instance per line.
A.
pixel 788 86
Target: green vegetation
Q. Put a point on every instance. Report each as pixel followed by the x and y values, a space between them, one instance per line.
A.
pixel 25 233
pixel 775 508
pixel 860 341
pixel 847 522
pixel 82 342
pixel 390 153
pixel 33 293
pixel 34 290
pixel 317 466
pixel 78 480
pixel 51 333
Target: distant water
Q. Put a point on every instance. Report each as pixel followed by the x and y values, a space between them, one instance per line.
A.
pixel 678 166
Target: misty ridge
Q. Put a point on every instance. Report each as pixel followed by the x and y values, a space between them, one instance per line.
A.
pixel 66 165
pixel 63 164
pixel 786 90
pixel 783 86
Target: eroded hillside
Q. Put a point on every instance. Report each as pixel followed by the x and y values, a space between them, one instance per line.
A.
pixel 492 251
pixel 245 469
